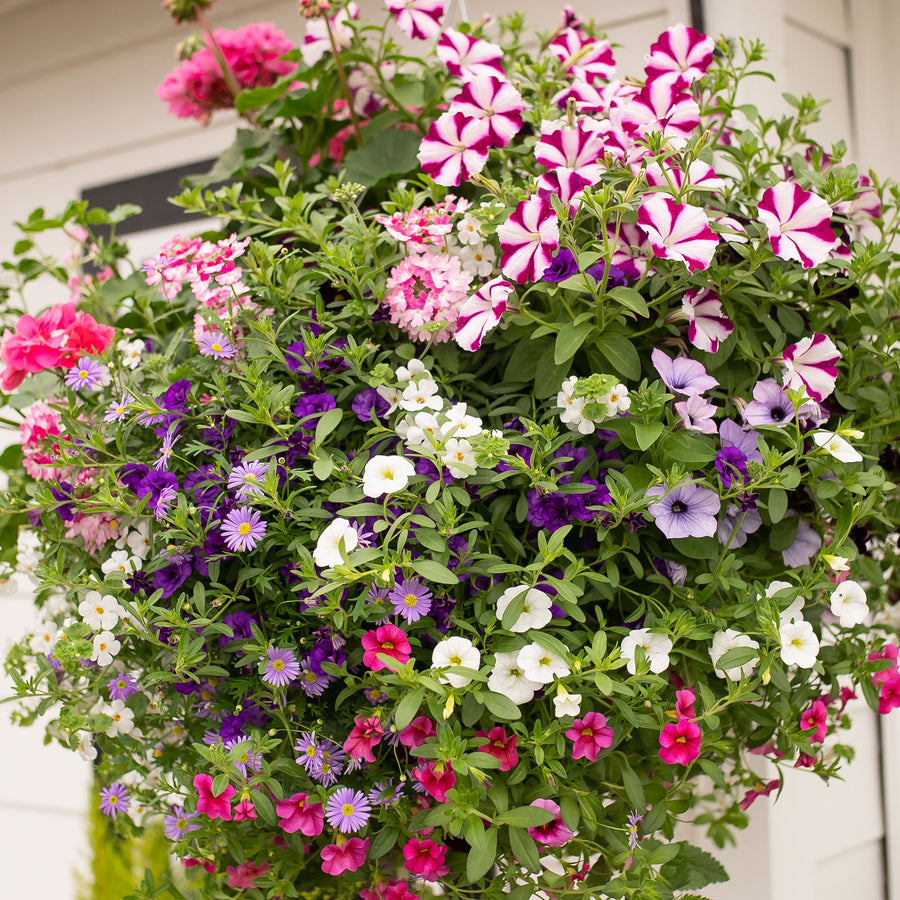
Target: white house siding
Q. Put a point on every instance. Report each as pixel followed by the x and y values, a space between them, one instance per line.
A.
pixel 77 95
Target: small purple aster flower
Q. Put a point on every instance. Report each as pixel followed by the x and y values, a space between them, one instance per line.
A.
pixel 347 810
pixel 411 599
pixel 375 695
pixel 243 529
pixel 122 687
pixel 682 375
pixel 246 478
pixel 309 750
pixel 86 373
pixel 250 761
pixel 118 409
pixel 216 345
pixel 282 667
pixel 686 511
pixel 313 682
pixel 384 793
pixel 178 823
pixel 114 799
pixel 165 452
pixel 562 266
pixel 770 405
pixel 329 764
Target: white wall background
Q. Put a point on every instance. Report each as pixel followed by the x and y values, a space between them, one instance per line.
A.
pixel 77 95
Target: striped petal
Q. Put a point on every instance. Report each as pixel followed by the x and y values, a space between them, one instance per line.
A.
pixel 798 224
pixel 528 239
pixel 812 363
pixel 677 231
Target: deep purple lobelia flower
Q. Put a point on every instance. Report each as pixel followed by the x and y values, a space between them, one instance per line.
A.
pixel 281 668
pixel 686 511
pixel 562 266
pixel 347 810
pixel 682 375
pixel 114 799
pixel 243 529
pixel 172 577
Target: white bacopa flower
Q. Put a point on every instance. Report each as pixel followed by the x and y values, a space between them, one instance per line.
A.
pixel 566 704
pixel 836 446
pixel 99 613
pixel 848 603
pixel 44 638
pixel 421 395
pixel 137 540
pixel 479 260
pixel 391 394
pixel 458 452
pixel 122 718
pixel 455 651
pixel 799 644
pixel 121 561
pixel 542 665
pixel 509 679
pixel 386 475
pixel 723 641
pixel 407 373
pixel 468 231
pixel 656 647
pixel 461 424
pixel 572 415
pixel 86 749
pixel 535 613
pixel 617 400
pixel 328 546
pixel 425 431
pixel 105 648
pixel 131 352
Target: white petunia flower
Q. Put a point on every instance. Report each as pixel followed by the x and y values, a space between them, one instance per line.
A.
pixel 509 679
pixel 723 641
pixel 535 613
pixel 455 651
pixel 542 665
pixel 848 603
pixel 566 704
pixel 458 452
pixel 799 644
pixel 421 395
pixel 99 613
pixel 835 445
pixel 121 561
pixel 386 475
pixel 105 648
pixel 656 648
pixel 795 611
pixel 328 550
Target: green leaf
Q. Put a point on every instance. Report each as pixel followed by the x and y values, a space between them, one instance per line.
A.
pixel 620 353
pixel 328 421
pixel 569 339
pixel 525 817
pixel 255 98
pixel 778 503
pixel 434 571
pixel 646 433
pixel 383 842
pixel 262 803
pixel 630 299
pixel 737 657
pixel 500 706
pixel 408 707
pixel 524 849
pixel 693 868
pixel 322 467
pixel 633 788
pixel 387 153
pixel 219 783
pixel 481 858
pixel 782 535
pixel 514 609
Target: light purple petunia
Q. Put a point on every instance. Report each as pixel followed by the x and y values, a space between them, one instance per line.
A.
pixel 733 530
pixel 806 544
pixel 347 810
pixel 686 511
pixel 747 441
pixel 696 414
pixel 114 799
pixel 282 667
pixel 682 375
pixel 243 529
pixel 246 478
pixel 770 405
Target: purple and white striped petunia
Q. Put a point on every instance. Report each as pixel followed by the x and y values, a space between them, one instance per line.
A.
pixel 812 363
pixel 481 312
pixel 495 101
pixel 632 249
pixel 708 325
pixel 662 105
pixel 468 57
pixel 418 18
pixel 454 148
pixel 680 49
pixel 798 224
pixel 578 150
pixel 682 375
pixel 593 59
pixel 677 231
pixel 686 511
pixel 562 183
pixel 770 405
pixel 528 239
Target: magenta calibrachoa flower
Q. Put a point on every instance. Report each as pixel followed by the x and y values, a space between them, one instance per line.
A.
pixel 528 239
pixel 589 735
pixel 114 799
pixel 347 810
pixel 281 668
pixel 677 231
pixel 798 223
pixel 243 528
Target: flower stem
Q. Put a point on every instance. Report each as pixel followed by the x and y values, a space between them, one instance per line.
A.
pixel 342 74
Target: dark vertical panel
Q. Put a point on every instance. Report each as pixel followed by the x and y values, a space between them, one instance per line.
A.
pixel 698 20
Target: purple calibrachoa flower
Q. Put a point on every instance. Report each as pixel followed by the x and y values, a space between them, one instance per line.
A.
pixel 246 478
pixel 798 224
pixel 527 240
pixel 114 799
pixel 86 373
pixel 347 810
pixel 243 529
pixel 562 266
pixel 216 344
pixel 122 687
pixel 686 511
pixel 411 599
pixel 677 231
pixel 178 823
pixel 770 405
pixel 682 375
pixel 281 668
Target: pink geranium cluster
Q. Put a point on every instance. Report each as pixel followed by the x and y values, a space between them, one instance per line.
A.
pixel 37 435
pixel 57 337
pixel 197 86
pixel 421 227
pixel 887 680
pixel 679 742
pixel 426 289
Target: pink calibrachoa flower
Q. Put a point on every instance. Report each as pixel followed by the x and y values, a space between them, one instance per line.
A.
pixel 762 791
pixel 495 101
pixel 365 735
pixel 216 806
pixel 245 875
pixel 680 49
pixel 418 18
pixel 245 810
pixel 815 717
pixel 708 326
pixel 679 742
pixel 812 363
pixel 677 231
pixel 345 855
pixel 500 747
pixel 798 223
pixel 296 814
pixel 481 312
pixel 425 858
pixel 555 833
pixel 417 732
pixel 590 735
pixel 388 640
pixel 528 240
pixel 437 778
pixel 427 289
pixel 455 148
pixel 684 704
pixel 468 57
pixel 595 60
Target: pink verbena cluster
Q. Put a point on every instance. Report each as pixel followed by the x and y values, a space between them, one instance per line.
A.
pixel 38 436
pixel 197 86
pixel 424 290
pixel 429 225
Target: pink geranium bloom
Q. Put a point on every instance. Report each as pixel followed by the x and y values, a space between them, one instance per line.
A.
pixel 500 747
pixel 296 814
pixel 495 101
pixel 437 778
pixel 679 742
pixel 889 695
pixel 528 239
pixel 815 717
pixel 555 833
pixel 480 313
pixel 590 735
pixel 798 223
pixel 366 734
pixel 245 875
pixel 216 806
pixel 418 18
pixel 455 148
pixel 812 363
pixel 594 58
pixel 425 858
pixel 677 231
pixel 708 325
pixel 388 640
pixel 680 49
pixel 417 732
pixel 468 57
pixel 346 856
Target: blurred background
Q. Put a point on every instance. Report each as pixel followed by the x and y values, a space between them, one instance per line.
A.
pixel 78 93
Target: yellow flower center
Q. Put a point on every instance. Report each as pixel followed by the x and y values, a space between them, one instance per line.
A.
pixel 347 809
pixel 244 528
pixel 278 664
